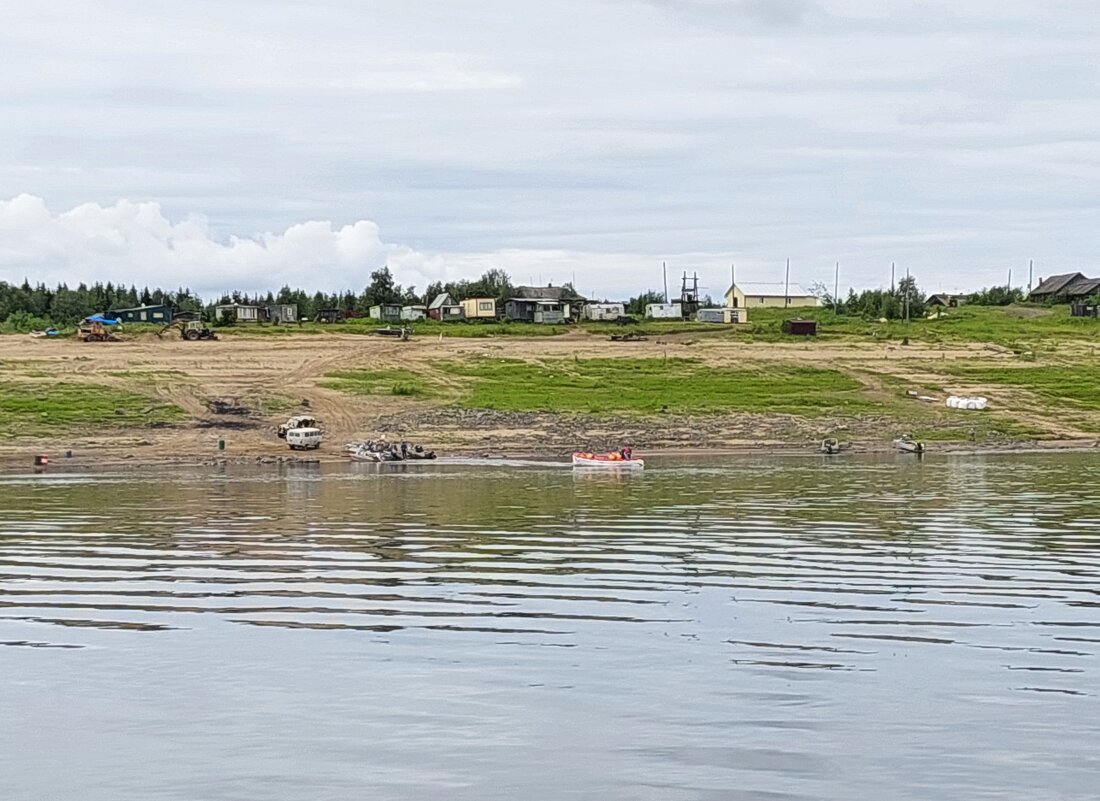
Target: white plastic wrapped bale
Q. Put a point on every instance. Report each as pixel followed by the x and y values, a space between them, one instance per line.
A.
pixel 971 404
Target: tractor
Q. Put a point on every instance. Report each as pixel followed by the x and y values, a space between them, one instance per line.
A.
pixel 191 330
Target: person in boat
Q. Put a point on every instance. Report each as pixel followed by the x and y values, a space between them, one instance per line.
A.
pixel 627 452
pixel 404 449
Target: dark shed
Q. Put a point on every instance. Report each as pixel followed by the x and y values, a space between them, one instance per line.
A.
pixel 800 328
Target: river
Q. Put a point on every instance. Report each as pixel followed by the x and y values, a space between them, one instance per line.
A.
pixel 752 628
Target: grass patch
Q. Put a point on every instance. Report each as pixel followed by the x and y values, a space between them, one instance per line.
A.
pixel 1023 328
pixel 404 383
pixel 31 409
pixel 655 385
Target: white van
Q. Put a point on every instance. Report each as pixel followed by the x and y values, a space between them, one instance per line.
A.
pixel 303 439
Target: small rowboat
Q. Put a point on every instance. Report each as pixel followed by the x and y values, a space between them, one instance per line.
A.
pixel 907 444
pixel 607 461
pixel 830 446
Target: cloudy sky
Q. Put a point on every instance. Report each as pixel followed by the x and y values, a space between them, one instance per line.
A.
pixel 244 144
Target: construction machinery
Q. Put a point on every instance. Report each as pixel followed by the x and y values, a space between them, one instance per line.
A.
pixel 191 330
pixel 98 329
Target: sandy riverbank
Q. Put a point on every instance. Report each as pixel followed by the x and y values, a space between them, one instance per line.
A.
pixel 261 380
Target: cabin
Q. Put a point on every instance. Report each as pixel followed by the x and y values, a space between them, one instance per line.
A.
pixel 947 300
pixel 479 308
pixel 386 312
pixel 1066 288
pixel 722 315
pixel 414 313
pixel 663 311
pixel 569 303
pixel 603 311
pixel 768 296
pixel 238 312
pixel 281 313
pixel 544 312
pixel 159 313
pixel 444 309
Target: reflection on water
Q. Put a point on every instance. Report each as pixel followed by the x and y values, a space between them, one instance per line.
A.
pixel 755 628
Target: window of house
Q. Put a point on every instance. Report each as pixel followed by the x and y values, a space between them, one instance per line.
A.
pixel 485 305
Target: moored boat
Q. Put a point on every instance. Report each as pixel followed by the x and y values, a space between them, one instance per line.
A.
pixel 906 444
pixel 830 445
pixel 607 460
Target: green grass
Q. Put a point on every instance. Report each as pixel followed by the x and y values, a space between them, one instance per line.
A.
pixel 1023 328
pixel 654 385
pixel 1060 385
pixel 381 382
pixel 33 409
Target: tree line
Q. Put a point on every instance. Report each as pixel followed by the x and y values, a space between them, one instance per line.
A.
pixel 25 307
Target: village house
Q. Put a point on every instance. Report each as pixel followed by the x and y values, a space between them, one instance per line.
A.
pixel 523 310
pixel 238 312
pixel 479 308
pixel 386 312
pixel 768 296
pixel 722 315
pixel 603 311
pixel 281 313
pixel 1067 288
pixel 414 313
pixel 545 301
pixel 664 311
pixel 444 309
pixel 159 313
pixel 947 300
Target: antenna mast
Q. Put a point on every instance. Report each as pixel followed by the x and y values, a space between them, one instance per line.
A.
pixel 787 286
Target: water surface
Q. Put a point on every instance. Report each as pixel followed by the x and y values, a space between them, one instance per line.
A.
pixel 796 628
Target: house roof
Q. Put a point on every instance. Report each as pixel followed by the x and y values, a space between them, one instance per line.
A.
pixel 441 300
pixel 774 290
pixel 537 301
pixel 141 308
pixel 556 293
pixel 1083 288
pixel 1057 283
pixel 945 297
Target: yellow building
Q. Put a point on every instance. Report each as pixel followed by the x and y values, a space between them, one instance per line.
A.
pixel 479 308
pixel 768 296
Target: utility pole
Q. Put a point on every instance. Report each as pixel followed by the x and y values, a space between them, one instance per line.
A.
pixel 1030 273
pixel 836 291
pixel 1009 287
pixel 733 284
pixel 664 272
pixel 907 296
pixel 891 278
pixel 787 286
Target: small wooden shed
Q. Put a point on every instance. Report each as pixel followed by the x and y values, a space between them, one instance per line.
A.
pixel 800 328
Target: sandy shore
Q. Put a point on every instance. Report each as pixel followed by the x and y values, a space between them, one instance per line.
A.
pixel 265 379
